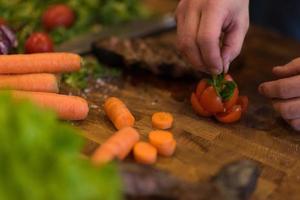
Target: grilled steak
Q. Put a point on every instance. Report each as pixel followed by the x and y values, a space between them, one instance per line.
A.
pixel 154 54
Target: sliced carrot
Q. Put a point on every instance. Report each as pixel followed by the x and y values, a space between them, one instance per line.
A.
pixel 39 63
pixel 118 113
pixel 167 151
pixel 30 82
pixel 118 145
pixel 123 120
pixel 145 153
pixel 163 141
pixel 111 102
pixel 244 102
pixel 66 107
pixel 162 120
pixel 198 108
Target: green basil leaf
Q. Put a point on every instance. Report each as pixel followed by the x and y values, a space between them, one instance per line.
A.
pixel 228 89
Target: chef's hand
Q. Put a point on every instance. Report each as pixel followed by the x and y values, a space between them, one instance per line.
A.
pixel 286 92
pixel 200 25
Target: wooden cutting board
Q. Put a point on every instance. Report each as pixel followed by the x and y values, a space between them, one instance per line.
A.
pixel 205 145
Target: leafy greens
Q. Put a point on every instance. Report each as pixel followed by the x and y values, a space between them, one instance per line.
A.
pixel 39 158
pixel 25 15
pixel 91 69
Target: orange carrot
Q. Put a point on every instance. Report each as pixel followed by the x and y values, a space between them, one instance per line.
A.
pixel 39 63
pixel 30 82
pixel 145 153
pixel 162 120
pixel 66 107
pixel 118 145
pixel 163 141
pixel 118 113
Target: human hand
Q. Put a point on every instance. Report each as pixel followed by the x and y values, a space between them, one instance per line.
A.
pixel 286 92
pixel 200 26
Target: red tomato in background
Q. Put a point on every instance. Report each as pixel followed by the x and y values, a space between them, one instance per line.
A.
pixel 59 15
pixel 39 43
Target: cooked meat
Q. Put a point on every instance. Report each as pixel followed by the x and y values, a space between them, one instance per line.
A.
pixel 156 55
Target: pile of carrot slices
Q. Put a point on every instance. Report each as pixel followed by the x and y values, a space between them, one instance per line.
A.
pixel 33 77
pixel 127 139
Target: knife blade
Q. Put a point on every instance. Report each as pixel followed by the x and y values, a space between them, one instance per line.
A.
pixel 82 44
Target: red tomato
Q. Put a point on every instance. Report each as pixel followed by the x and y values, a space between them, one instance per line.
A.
pixel 211 101
pixel 232 101
pixel 232 115
pixel 202 85
pixel 244 102
pixel 198 108
pixel 59 15
pixel 38 43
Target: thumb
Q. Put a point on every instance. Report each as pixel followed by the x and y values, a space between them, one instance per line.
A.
pixel 232 45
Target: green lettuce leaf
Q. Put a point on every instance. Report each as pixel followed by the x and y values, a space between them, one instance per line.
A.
pixel 40 158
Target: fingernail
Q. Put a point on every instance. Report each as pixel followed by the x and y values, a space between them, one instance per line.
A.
pixel 226 67
pixel 216 71
pixel 226 64
pixel 278 68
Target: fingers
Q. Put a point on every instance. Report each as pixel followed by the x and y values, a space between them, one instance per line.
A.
pixel 288 109
pixel 290 69
pixel 286 89
pixel 233 42
pixel 283 88
pixel 208 39
pixel 295 124
pixel 188 19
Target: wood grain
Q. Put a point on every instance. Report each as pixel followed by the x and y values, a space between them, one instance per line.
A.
pixel 204 145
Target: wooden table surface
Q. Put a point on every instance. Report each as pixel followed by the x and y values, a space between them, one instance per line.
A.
pixel 204 145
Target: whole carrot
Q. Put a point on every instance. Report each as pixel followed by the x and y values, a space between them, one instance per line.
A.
pixel 39 63
pixel 118 145
pixel 118 113
pixel 66 107
pixel 30 82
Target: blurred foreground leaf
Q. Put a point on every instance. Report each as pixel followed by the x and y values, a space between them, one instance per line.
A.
pixel 40 158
